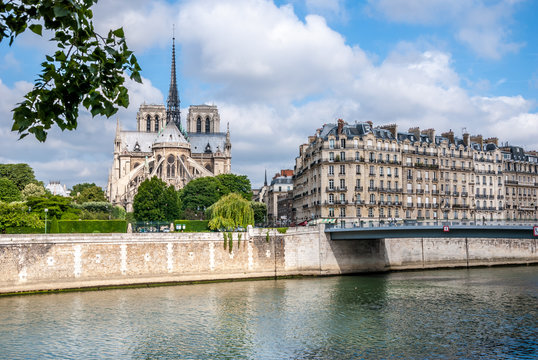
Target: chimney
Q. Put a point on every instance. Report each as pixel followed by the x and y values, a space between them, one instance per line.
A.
pixel 311 139
pixel 492 140
pixel 449 135
pixel 477 139
pixel 340 126
pixel 415 131
pixel 371 123
pixel 393 128
pixel 430 133
pixel 466 139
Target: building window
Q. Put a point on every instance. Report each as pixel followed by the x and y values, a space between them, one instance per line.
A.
pixel 331 198
pixel 331 170
pixel 343 143
pixel 331 156
pixel 357 156
pixel 207 125
pixel 156 123
pixel 331 212
pixel 331 143
pixel 371 212
pixel 331 184
pixel 148 124
pixel 381 171
pixel 199 125
pixel 358 212
pixel 342 183
pixel 342 169
pixel 342 156
pixel 358 169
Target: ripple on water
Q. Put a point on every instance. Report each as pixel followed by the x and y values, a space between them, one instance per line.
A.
pixel 487 313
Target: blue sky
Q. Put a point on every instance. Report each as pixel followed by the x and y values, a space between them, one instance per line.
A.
pixel 279 69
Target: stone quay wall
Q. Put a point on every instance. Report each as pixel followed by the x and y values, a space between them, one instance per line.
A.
pixel 69 261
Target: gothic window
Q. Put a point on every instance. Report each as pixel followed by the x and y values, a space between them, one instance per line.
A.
pixel 170 167
pixel 207 125
pixel 156 123
pixel 148 124
pixel 199 125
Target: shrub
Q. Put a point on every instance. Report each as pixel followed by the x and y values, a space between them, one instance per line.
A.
pixel 90 226
pixel 193 225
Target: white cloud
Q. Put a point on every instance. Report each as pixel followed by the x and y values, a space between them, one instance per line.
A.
pixel 276 79
pixel 258 51
pixel 483 26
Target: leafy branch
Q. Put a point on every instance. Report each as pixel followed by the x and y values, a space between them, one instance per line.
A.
pixel 87 69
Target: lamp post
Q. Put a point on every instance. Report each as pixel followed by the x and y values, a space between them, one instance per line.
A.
pixel 46 211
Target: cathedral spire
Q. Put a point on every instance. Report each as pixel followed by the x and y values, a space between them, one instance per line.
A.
pixel 172 104
pixel 265 182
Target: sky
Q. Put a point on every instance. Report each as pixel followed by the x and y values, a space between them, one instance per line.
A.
pixel 278 70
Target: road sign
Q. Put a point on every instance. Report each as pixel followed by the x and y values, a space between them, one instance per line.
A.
pixel 446 228
pixel 535 230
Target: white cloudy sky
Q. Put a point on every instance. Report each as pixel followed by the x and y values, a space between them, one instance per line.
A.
pixel 278 70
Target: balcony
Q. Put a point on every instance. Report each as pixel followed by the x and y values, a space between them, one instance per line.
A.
pixel 358 188
pixel 372 188
pixel 420 191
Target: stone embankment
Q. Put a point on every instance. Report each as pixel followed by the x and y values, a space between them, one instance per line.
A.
pixel 72 261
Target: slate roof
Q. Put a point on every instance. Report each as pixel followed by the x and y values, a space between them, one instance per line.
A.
pixel 199 142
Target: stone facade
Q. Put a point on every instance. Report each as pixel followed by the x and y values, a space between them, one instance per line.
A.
pixel 277 197
pixel 62 261
pixel 161 147
pixel 363 174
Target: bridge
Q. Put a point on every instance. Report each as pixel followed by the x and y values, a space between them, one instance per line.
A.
pixel 437 229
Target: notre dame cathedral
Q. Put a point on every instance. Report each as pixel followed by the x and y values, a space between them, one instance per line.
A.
pixel 161 147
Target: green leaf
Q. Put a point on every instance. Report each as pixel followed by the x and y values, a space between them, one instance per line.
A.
pixel 36 28
pixel 119 33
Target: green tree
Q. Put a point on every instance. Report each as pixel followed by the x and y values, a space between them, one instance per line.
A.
pixel 155 201
pixel 58 206
pixel 89 194
pixel 8 191
pixel 230 212
pixel 86 69
pixel 239 184
pixel 20 174
pixel 54 227
pixel 260 211
pixel 33 190
pixel 78 188
pixel 199 194
pixel 16 214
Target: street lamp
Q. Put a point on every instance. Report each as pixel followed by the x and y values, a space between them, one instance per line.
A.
pixel 46 211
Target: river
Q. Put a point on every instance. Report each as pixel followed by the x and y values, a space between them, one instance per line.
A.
pixel 487 313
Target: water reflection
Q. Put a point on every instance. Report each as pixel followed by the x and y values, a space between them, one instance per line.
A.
pixel 475 313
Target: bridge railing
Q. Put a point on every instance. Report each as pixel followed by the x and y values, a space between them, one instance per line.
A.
pixel 429 223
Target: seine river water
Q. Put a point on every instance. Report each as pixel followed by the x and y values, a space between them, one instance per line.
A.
pixel 489 313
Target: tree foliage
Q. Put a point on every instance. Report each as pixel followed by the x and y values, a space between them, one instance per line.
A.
pixel 201 193
pixel 86 69
pixel 78 188
pixel 155 201
pixel 239 184
pixel 8 191
pixel 16 214
pixel 91 193
pixel 260 211
pixel 230 212
pixel 33 190
pixel 20 174
pixel 58 206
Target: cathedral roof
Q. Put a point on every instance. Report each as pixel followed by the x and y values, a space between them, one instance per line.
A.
pixel 199 142
pixel 170 134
